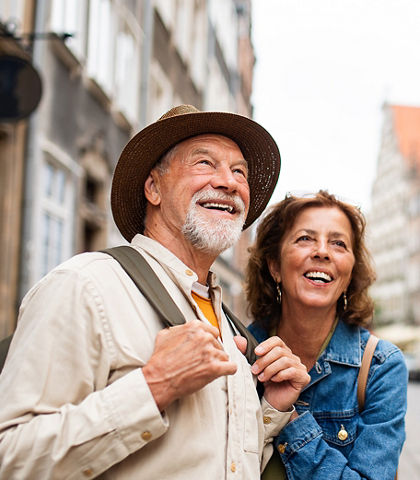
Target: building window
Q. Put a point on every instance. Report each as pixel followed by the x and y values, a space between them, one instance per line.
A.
pixel 114 53
pixel 93 203
pixel 70 17
pixel 13 11
pixel 54 216
pixel 52 242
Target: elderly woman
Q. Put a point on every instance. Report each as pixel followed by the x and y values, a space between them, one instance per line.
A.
pixel 307 282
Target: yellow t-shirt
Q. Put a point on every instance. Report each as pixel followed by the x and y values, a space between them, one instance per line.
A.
pixel 206 306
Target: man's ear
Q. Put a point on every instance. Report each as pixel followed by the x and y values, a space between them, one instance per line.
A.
pixel 274 268
pixel 151 189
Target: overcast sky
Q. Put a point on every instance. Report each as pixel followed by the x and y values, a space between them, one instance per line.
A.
pixel 324 69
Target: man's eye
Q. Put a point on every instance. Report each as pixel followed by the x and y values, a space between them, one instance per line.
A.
pixel 241 171
pixel 205 162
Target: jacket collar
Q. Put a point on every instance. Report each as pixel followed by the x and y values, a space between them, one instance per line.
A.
pixel 344 346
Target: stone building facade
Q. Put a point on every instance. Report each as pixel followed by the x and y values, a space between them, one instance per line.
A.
pixel 394 220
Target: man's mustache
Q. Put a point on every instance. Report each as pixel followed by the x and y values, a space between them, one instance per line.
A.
pixel 214 195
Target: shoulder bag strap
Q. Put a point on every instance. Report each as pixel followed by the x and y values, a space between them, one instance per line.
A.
pixel 239 328
pixel 363 374
pixel 364 370
pixel 146 280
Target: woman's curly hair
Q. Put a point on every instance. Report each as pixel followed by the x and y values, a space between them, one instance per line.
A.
pixel 260 286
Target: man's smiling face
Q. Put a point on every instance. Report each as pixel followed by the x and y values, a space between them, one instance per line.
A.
pixel 204 192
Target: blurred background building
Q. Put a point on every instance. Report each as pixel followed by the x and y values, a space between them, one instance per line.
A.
pixel 394 227
pixel 108 68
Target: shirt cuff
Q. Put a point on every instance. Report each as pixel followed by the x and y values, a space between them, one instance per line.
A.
pixel 274 420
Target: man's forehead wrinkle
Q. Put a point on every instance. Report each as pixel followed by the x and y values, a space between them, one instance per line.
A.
pixel 207 151
pixel 200 151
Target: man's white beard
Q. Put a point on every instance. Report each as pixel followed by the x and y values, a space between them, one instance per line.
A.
pixel 213 235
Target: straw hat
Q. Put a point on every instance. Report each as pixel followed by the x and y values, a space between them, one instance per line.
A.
pixel 147 147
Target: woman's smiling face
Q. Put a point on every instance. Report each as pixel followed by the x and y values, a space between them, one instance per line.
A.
pixel 316 258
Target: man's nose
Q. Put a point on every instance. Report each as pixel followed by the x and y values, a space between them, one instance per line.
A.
pixel 224 178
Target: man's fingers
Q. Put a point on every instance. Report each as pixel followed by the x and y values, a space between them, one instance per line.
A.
pixel 194 330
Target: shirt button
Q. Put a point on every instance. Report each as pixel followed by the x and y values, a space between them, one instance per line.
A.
pixel 146 436
pixel 88 472
pixel 282 447
pixel 266 420
pixel 233 467
pixel 190 273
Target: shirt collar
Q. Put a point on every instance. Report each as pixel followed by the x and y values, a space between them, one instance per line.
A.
pixel 166 258
pixel 344 346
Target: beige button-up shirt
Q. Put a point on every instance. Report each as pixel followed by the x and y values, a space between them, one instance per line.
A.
pixel 74 403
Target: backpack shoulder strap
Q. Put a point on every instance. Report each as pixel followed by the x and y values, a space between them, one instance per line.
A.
pixel 146 280
pixel 364 370
pixel 239 328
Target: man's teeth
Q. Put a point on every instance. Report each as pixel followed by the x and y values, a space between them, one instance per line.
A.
pixel 318 276
pixel 218 206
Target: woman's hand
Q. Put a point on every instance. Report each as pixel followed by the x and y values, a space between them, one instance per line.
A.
pixel 282 373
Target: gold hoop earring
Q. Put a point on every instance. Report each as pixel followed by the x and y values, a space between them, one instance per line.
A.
pixel 278 293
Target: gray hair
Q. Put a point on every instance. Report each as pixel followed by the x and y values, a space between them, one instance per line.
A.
pixel 162 165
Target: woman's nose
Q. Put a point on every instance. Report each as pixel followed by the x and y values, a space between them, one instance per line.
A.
pixel 322 250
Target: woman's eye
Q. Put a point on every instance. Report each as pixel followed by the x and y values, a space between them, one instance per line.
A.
pixel 340 243
pixel 304 238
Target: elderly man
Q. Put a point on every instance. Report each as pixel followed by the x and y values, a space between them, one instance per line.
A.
pixel 93 385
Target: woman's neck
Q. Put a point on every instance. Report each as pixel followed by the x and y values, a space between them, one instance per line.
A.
pixel 304 331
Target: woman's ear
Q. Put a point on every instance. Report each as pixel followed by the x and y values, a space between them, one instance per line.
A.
pixel 151 189
pixel 274 269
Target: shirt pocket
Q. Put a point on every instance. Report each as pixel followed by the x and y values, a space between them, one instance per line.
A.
pixel 339 428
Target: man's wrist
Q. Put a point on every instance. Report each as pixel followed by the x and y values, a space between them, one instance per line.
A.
pixel 274 419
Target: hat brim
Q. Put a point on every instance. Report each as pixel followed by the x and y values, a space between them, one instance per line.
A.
pixel 141 153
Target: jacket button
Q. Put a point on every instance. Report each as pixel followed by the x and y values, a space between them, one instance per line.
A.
pixel 282 447
pixel 233 467
pixel 342 434
pixel 88 472
pixel 266 420
pixel 190 273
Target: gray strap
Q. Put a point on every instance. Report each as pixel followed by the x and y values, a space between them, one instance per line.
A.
pixel 146 280
pixel 239 328
pixel 148 283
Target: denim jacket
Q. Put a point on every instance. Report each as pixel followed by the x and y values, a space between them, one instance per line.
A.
pixel 369 443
